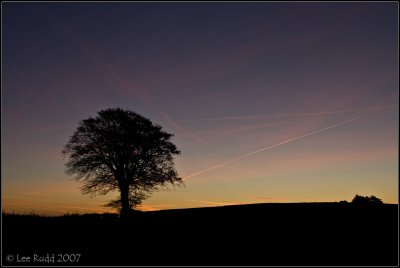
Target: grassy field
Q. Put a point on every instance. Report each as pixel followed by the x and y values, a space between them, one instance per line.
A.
pixel 260 234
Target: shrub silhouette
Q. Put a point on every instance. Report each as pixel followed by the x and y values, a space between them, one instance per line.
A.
pixel 365 200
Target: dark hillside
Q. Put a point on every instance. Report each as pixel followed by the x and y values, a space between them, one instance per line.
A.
pixel 260 234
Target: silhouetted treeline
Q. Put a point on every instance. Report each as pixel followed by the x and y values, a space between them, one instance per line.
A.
pixel 366 200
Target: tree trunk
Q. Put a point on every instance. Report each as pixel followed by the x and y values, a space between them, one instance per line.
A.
pixel 125 208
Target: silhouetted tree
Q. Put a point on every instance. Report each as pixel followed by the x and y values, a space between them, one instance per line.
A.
pixel 121 150
pixel 365 200
pixel 375 200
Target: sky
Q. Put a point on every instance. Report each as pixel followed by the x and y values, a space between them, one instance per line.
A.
pixel 267 101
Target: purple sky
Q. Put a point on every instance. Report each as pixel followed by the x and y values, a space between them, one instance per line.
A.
pixel 228 79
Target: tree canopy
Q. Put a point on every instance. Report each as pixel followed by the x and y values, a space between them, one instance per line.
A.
pixel 366 200
pixel 120 150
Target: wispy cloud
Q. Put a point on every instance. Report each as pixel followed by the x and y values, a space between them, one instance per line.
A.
pixel 267 198
pixel 321 113
pixel 125 87
pixel 216 203
pixel 182 129
pixel 155 207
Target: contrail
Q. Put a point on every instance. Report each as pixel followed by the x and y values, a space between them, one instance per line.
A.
pixel 125 87
pixel 271 147
pixel 248 117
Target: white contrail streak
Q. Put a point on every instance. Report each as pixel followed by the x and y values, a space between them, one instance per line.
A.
pixel 322 113
pixel 271 147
